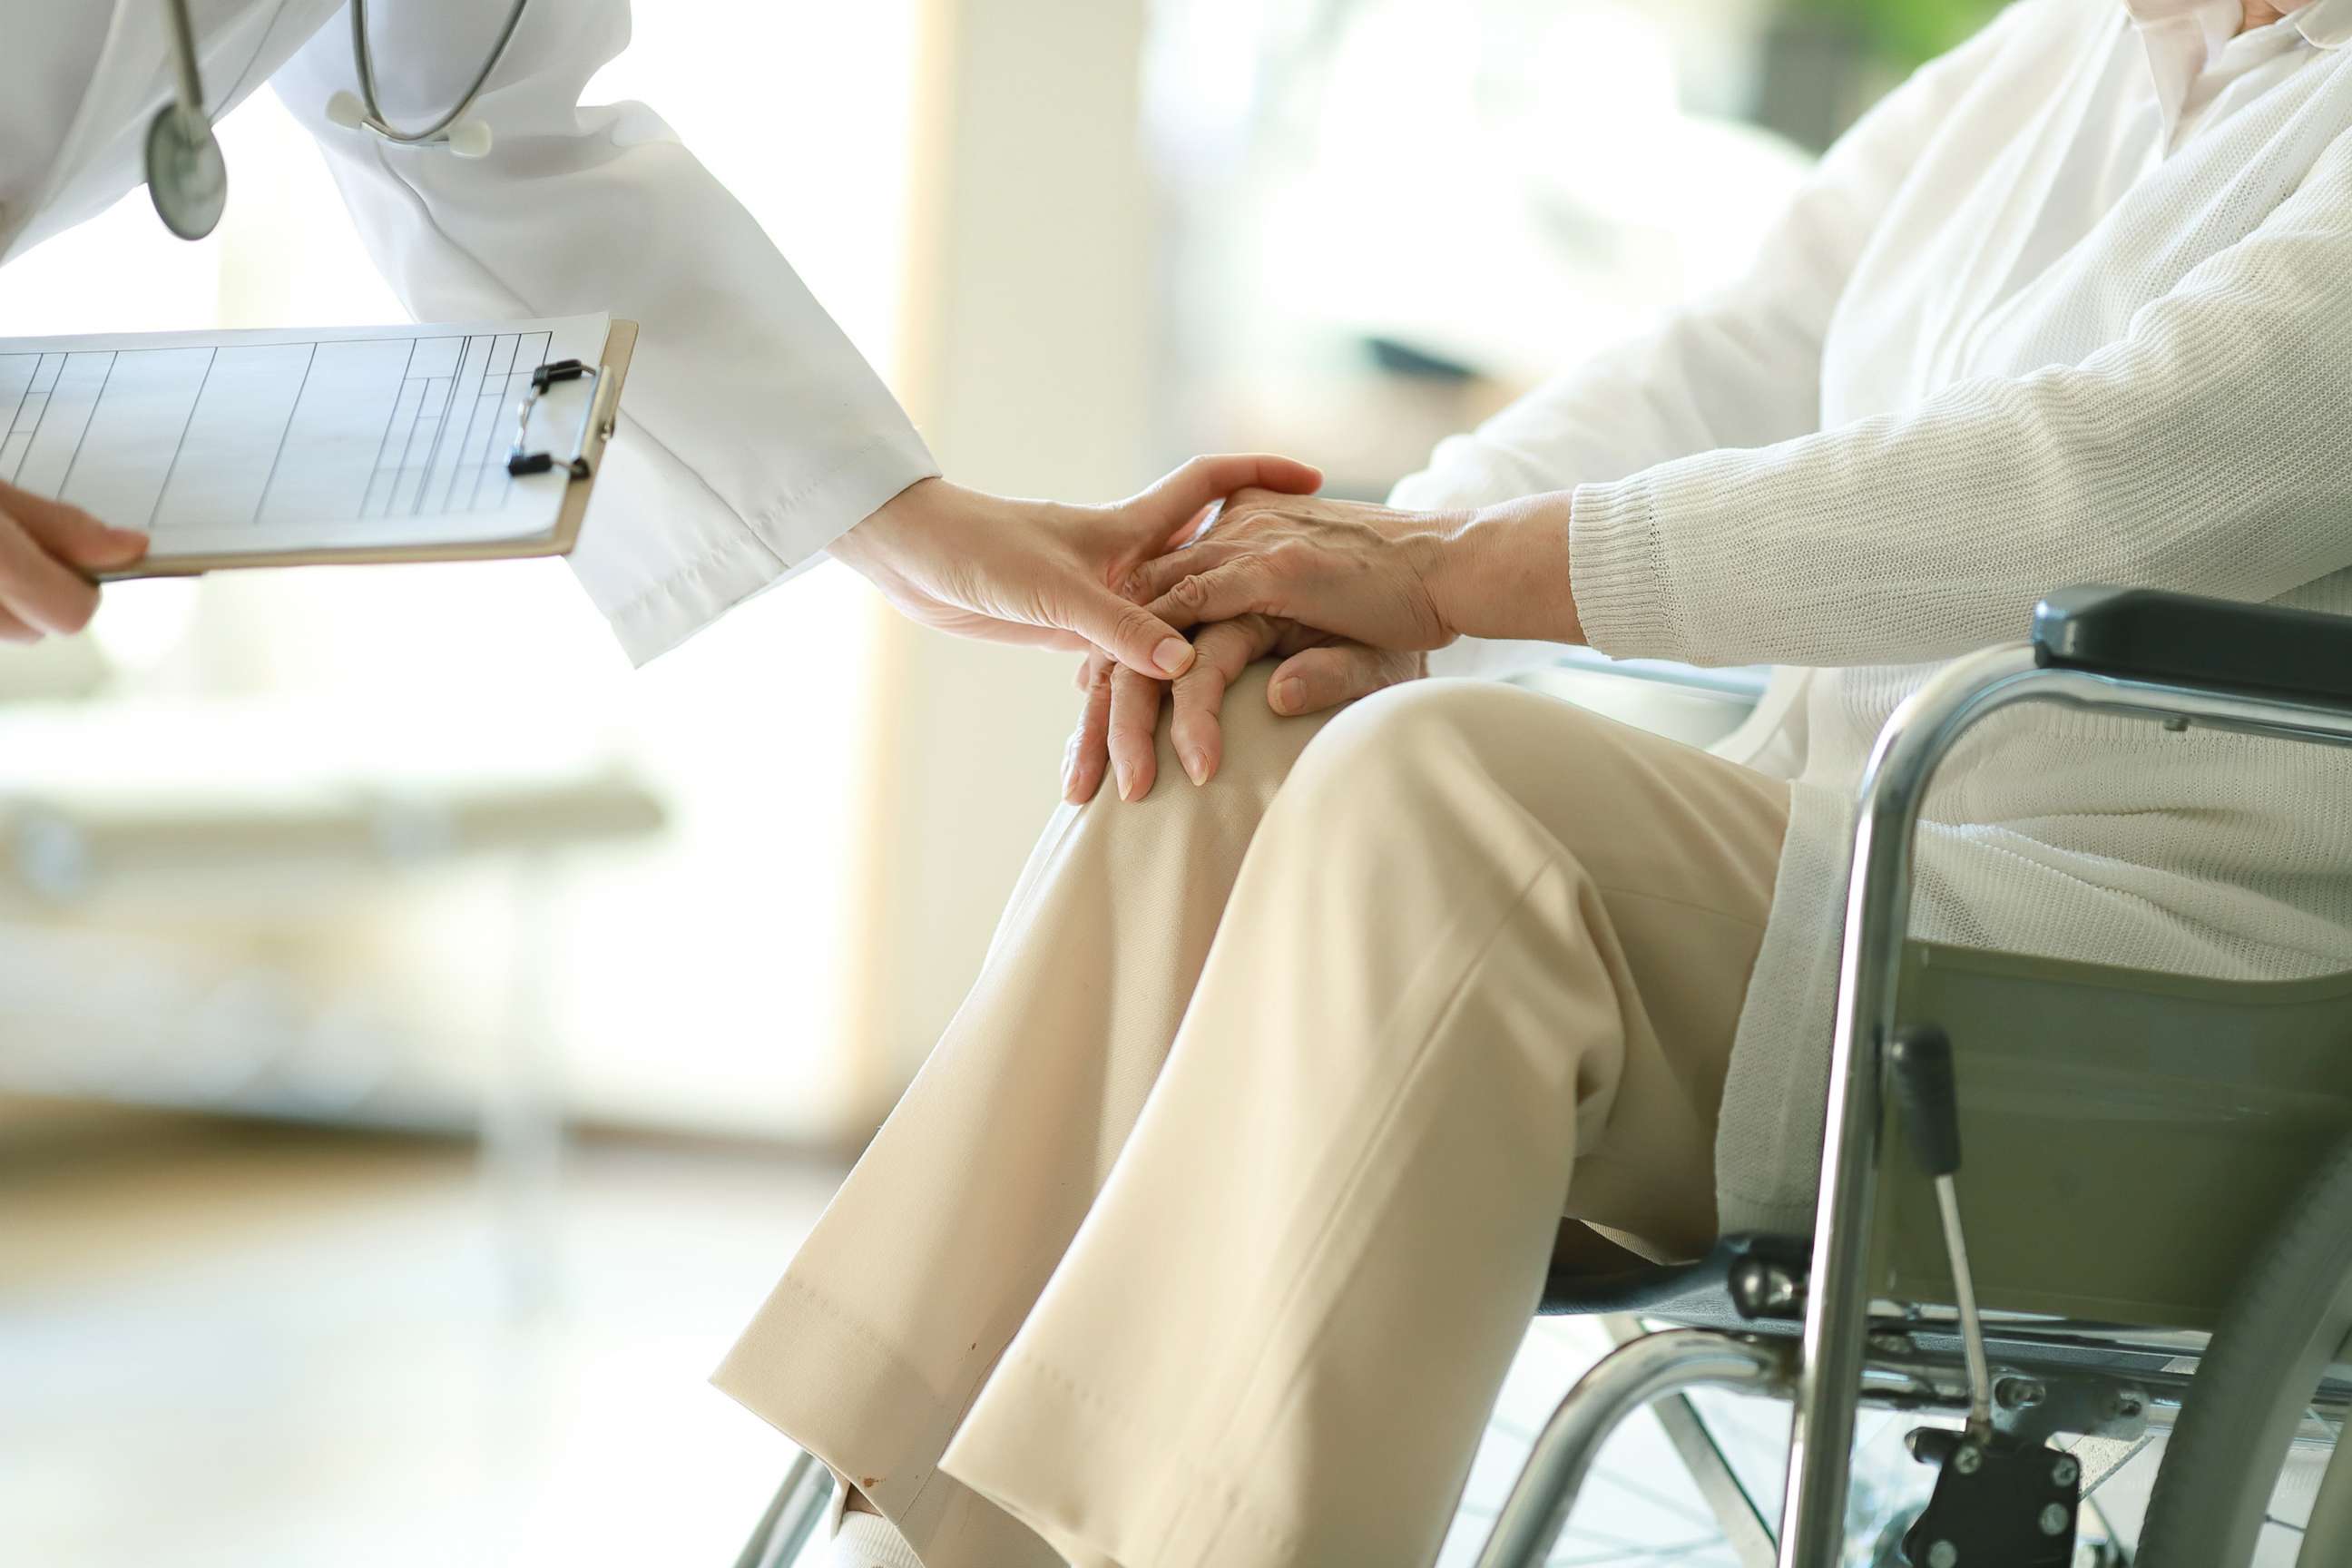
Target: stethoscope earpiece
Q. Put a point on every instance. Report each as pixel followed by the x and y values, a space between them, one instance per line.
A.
pixel 188 180
pixel 466 137
pixel 470 139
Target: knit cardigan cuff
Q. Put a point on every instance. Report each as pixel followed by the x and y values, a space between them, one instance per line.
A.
pixel 1617 570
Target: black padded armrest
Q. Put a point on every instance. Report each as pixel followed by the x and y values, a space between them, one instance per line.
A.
pixel 1720 1277
pixel 2188 640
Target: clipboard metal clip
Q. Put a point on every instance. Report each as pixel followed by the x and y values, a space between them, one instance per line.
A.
pixel 595 420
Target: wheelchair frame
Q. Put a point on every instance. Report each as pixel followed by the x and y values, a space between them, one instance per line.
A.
pixel 1824 1374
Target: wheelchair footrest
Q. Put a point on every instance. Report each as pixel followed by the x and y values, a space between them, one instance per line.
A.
pixel 1998 1499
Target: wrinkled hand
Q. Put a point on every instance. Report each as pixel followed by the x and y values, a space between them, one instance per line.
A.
pixel 47 550
pixel 1044 573
pixel 1367 572
pixel 1368 568
pixel 1122 709
pixel 1352 594
pixel 1391 579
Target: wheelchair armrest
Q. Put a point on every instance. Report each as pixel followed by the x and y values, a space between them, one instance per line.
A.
pixel 2188 640
pixel 1758 1275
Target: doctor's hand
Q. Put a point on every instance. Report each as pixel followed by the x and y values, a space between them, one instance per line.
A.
pixel 47 550
pixel 1122 709
pixel 1044 573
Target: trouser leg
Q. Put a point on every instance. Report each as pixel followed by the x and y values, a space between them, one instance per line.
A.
pixel 880 1331
pixel 1482 964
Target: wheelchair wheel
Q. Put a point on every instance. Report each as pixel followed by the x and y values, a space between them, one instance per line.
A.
pixel 2254 1392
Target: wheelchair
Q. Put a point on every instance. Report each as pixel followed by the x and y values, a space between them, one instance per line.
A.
pixel 2165 1161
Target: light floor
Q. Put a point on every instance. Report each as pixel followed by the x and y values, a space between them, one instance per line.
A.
pixel 297 1353
pixel 306 1350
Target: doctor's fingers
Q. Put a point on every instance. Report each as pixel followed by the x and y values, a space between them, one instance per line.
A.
pixel 1339 673
pixel 71 535
pixel 1127 632
pixel 1169 510
pixel 45 548
pixel 1225 650
pixel 1174 506
pixel 41 592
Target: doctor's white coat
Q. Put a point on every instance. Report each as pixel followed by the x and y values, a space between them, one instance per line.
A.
pixel 754 433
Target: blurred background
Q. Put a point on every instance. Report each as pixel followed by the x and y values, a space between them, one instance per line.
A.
pixel 422 1038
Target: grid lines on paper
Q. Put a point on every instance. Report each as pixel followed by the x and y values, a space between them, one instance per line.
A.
pixel 268 432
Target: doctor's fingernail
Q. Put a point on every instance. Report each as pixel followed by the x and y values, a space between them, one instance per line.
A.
pixel 1289 695
pixel 1196 764
pixel 1173 656
pixel 1120 772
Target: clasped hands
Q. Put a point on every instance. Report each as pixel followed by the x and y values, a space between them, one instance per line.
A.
pixel 1227 560
pixel 1350 597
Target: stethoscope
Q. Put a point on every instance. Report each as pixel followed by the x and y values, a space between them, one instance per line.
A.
pixel 188 178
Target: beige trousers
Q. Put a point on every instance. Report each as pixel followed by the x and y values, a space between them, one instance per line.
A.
pixel 1208 1232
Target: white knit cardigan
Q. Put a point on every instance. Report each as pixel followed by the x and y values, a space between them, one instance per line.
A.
pixel 1916 414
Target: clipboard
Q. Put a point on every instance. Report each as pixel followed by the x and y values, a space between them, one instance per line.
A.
pixel 579 459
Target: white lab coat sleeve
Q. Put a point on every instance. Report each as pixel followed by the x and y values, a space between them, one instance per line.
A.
pixel 2201 451
pixel 1742 368
pixel 752 433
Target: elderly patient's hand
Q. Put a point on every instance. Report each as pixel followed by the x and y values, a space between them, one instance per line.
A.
pixel 1393 579
pixel 1352 594
pixel 1123 708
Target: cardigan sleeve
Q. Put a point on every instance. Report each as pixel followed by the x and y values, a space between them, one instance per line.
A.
pixel 2202 451
pixel 1739 369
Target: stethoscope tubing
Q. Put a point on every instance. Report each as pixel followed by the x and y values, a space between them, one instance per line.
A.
pixel 191 88
pixel 183 51
pixel 185 174
pixel 364 61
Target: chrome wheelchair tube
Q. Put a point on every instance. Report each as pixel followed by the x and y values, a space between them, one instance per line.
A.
pixel 792 1516
pixel 1918 737
pixel 1625 1381
pixel 1879 907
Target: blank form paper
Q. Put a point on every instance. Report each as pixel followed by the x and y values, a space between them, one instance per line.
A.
pixel 229 443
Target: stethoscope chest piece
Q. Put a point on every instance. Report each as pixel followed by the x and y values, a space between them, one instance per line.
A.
pixel 186 176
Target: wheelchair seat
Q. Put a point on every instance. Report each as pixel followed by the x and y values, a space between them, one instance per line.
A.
pixel 2153 1126
pixel 1754 1282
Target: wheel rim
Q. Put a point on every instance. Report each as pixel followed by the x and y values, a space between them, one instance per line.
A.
pixel 2260 1376
pixel 2327 1534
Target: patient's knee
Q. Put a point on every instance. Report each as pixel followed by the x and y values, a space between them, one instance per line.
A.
pixel 1426 746
pixel 1393 731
